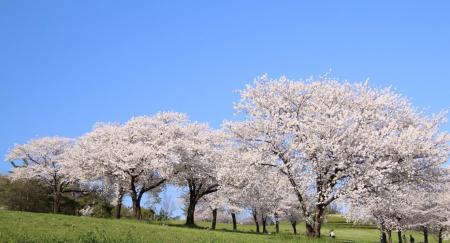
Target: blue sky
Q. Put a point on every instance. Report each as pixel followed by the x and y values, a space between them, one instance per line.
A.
pixel 65 65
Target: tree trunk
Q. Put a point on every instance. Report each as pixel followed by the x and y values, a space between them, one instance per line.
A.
pixel 309 230
pixel 383 238
pixel 137 209
pixel 257 226
pixel 118 210
pixel 440 235
pixel 136 199
pixel 389 236
pixel 119 204
pixel 313 230
pixel 399 235
pixel 57 202
pixel 255 218
pixel 233 216
pixel 294 226
pixel 277 223
pixel 264 223
pixel 277 226
pixel 317 227
pixel 214 219
pixel 425 235
pixel 191 210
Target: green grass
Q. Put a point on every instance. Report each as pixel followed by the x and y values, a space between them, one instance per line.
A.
pixel 37 227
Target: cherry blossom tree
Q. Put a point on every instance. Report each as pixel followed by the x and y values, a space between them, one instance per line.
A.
pixel 199 149
pixel 400 208
pixel 135 157
pixel 227 200
pixel 290 211
pixel 331 139
pixel 95 164
pixel 430 212
pixel 41 159
pixel 230 202
pixel 442 211
pixel 208 208
pixel 258 188
pixel 263 194
pixel 389 209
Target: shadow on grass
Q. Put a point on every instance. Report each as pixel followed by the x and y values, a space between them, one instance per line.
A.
pixel 288 236
pixel 186 226
pixel 208 228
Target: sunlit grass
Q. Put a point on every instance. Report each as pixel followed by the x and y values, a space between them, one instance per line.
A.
pixel 36 227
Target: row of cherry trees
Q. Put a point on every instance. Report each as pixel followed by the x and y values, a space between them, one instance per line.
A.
pixel 132 159
pixel 298 147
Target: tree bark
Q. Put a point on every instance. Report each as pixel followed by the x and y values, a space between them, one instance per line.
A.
pixel 136 194
pixel 118 210
pixel 425 235
pixel 119 204
pixel 399 235
pixel 313 230
pixel 196 191
pixel 277 223
pixel 190 212
pixel 264 223
pixel 257 226
pixel 135 199
pixel 440 238
pixel 277 226
pixel 309 230
pixel 214 219
pixel 255 218
pixel 318 221
pixel 57 202
pixel 233 217
pixel 383 238
pixel 294 226
pixel 137 209
pixel 317 227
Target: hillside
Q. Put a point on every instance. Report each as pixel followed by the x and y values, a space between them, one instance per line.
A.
pixel 37 227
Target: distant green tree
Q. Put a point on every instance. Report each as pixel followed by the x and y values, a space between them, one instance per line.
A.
pixel 24 195
pixel 34 196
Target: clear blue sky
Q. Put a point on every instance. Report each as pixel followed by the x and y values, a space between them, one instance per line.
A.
pixel 65 65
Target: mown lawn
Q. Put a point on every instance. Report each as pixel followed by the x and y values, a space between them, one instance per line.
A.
pixel 37 227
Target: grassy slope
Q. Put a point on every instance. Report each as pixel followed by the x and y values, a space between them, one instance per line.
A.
pixel 35 227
